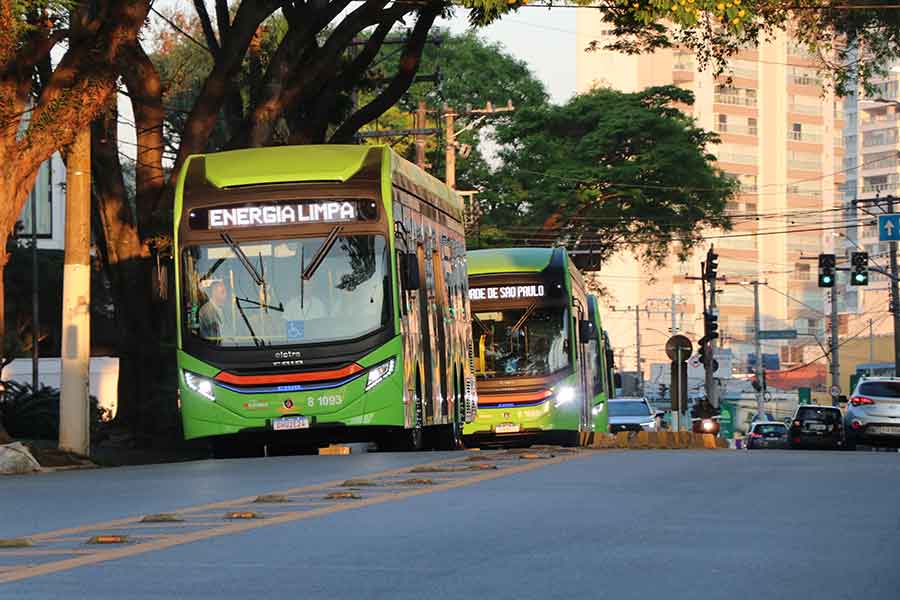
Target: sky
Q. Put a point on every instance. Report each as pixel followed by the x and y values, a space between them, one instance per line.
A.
pixel 545 39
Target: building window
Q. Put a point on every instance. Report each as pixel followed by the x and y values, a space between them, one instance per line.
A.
pixel 40 194
pixel 751 126
pixel 801 272
pixel 722 123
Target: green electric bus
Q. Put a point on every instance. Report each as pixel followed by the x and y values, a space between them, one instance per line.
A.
pixel 322 297
pixel 536 347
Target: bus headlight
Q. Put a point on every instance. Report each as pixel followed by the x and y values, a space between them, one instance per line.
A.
pixel 598 409
pixel 565 395
pixel 198 384
pixel 379 373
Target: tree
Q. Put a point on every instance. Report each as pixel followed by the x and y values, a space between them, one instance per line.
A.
pixel 472 72
pixel 42 103
pixel 607 171
pixel 854 40
pixel 268 72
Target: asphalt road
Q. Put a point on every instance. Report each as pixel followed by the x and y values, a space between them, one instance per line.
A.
pixel 600 524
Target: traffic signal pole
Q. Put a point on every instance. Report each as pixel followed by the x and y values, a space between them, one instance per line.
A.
pixel 835 360
pixel 895 301
pixel 760 411
pixel 712 390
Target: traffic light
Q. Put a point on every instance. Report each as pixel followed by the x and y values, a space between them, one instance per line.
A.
pixel 826 270
pixel 859 268
pixel 712 263
pixel 702 350
pixel 710 326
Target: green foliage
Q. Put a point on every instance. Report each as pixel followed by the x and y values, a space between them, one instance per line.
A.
pixel 853 42
pixel 472 72
pixel 29 415
pixel 606 171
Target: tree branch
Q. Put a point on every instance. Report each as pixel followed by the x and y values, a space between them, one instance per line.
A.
pixel 406 72
pixel 312 128
pixel 145 89
pixel 206 109
pixel 310 68
pixel 223 18
pixel 206 23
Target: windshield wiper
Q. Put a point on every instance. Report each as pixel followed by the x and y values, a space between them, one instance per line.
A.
pixel 319 255
pixel 255 304
pixel 256 340
pixel 257 278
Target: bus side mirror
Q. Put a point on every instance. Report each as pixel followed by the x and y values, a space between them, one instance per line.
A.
pixel 585 330
pixel 409 271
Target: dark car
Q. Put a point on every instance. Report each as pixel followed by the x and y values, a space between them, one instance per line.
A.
pixel 817 427
pixel 767 435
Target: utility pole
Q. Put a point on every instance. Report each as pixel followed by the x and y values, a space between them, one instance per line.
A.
pixel 760 411
pixel 450 148
pixel 74 414
pixel 674 329
pixel 835 359
pixel 35 297
pixel 420 138
pixel 637 341
pixel 871 344
pixel 449 125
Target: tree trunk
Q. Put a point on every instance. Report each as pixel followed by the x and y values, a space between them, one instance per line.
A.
pixel 129 266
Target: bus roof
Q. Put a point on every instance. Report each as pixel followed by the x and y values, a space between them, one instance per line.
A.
pixel 323 163
pixel 284 164
pixel 511 260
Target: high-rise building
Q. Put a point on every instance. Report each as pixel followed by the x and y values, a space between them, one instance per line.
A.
pixel 781 137
pixel 872 142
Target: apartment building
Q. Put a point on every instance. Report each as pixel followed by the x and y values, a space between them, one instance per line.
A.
pixel 782 139
pixel 872 142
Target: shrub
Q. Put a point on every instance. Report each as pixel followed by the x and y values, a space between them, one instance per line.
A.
pixel 27 414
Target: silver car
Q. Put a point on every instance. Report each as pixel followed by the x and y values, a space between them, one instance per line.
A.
pixel 632 414
pixel 873 413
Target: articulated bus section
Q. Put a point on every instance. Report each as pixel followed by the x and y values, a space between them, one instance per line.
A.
pixel 539 353
pixel 322 297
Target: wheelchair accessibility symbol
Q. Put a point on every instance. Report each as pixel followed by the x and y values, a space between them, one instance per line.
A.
pixel 295 330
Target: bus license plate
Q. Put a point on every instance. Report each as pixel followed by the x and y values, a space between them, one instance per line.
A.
pixel 506 428
pixel 286 423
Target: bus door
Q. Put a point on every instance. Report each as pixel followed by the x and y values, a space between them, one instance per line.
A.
pixel 584 369
pixel 425 293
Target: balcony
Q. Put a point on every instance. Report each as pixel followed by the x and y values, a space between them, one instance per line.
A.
pixel 879 188
pixel 735 100
pixel 806 109
pixel 804 165
pixel 802 136
pixel 736 129
pixel 733 157
pixel 793 79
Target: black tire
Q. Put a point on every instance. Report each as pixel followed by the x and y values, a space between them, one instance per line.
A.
pixel 412 439
pixel 565 438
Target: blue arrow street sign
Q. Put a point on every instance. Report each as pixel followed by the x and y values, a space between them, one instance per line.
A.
pixel 889 227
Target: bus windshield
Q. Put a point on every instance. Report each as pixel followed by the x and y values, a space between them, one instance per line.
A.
pixel 520 342
pixel 252 293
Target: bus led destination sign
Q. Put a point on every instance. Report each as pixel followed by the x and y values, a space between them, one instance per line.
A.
pixel 275 214
pixel 248 216
pixel 506 292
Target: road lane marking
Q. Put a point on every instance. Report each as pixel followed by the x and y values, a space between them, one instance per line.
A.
pixel 225 527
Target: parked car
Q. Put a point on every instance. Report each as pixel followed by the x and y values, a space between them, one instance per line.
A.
pixel 873 413
pixel 767 434
pixel 632 414
pixel 817 427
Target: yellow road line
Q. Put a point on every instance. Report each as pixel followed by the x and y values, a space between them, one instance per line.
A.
pixel 231 528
